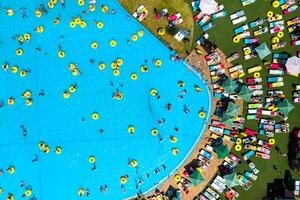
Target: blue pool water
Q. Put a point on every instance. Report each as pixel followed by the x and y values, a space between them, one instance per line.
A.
pixel 67 123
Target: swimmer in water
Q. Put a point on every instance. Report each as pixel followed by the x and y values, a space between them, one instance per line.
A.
pixel 23 130
pixel 36 158
pixel 113 11
pixel 22 184
pixel 62 2
pixel 101 131
pixel 94 167
pixel 41 93
pixel 1 104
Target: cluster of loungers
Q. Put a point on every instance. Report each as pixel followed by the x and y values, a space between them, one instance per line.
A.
pixel 296 94
pixel 205 20
pixel 294 30
pixel 141 13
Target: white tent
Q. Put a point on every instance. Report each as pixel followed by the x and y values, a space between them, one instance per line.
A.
pixel 208 6
pixel 293 65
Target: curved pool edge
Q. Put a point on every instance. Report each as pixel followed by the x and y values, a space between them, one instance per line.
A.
pixel 202 78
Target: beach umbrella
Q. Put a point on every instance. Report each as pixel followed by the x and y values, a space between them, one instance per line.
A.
pixel 228 120
pixel 293 65
pixel 263 51
pixel 231 180
pixel 196 178
pixel 208 6
pixel 285 107
pixel 232 109
pixel 245 93
pixel 222 151
pixel 229 85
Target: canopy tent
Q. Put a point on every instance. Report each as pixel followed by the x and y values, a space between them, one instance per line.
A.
pixel 229 85
pixel 232 109
pixel 196 178
pixel 263 51
pixel 228 120
pixel 285 107
pixel 208 6
pixel 293 65
pixel 231 180
pixel 222 151
pixel 245 93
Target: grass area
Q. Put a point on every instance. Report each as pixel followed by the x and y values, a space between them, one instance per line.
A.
pixel 222 35
pixel 153 25
pixel 223 38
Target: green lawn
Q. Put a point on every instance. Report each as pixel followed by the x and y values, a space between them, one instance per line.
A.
pixel 222 35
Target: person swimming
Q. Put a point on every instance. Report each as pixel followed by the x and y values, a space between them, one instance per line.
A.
pixel 23 130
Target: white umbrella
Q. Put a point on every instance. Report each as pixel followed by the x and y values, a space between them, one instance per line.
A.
pixel 293 65
pixel 208 6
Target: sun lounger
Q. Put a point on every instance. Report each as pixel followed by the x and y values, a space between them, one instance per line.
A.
pixel 295 20
pixel 208 195
pixel 276 23
pixel 239 20
pixel 248 155
pixel 295 43
pixel 293 28
pixel 237 15
pixel 241 29
pixel 235 68
pixel 261 31
pixel 206 154
pixel 247 2
pixel 174 17
pixel 263 150
pixel 219 14
pixel 161 14
pixel 250 132
pixel 262 155
pixel 279 45
pixel 208 26
pixel 250 147
pixel 257 92
pixel 272 79
pixel 195 5
pixel 254 69
pixel 213 193
pixel 290 9
pixel 276 29
pixel 255 87
pixel 276 72
pixel 204 19
pixel 244 34
pixel 251 175
pixel 251 40
pixel 202 197
pixel 176 22
pixel 198 16
pixel 257 22
pixel 249 140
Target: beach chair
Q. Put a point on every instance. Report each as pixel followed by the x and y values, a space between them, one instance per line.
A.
pixel 208 26
pixel 241 29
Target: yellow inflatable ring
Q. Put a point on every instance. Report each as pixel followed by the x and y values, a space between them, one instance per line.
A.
pixel 247 52
pixel 95 116
pixel 56 21
pixel 270 14
pixel 280 34
pixel 104 9
pixel 11 169
pixel 133 163
pixel 27 36
pixel 236 39
pixel 77 20
pixel 81 2
pixel 58 150
pixel 26 94
pixel 92 7
pixel 92 159
pixel 27 193
pixel 113 43
pixel 119 61
pixel 11 101
pixel 66 95
pixel 114 65
pixel 116 72
pixel 39 29
pixel 275 40
pixel 140 33
pixel 46 149
pixel 81 192
pixel 100 25
pixel 94 45
pixel 157 63
pixel 131 129
pixel 23 73
pixel 20 39
pixel 19 52
pixel 144 69
pixel 177 177
pixel 123 180
pixel 181 84
pixel 153 92
pixel 10 12
pixel 61 54
pixel 271 141
pixel 50 4
pixel 201 114
pixel 239 177
pixel 72 88
pixel 256 75
pixel 134 37
pixel 38 13
pixel 101 66
pixel 28 102
pixel 275 4
pixel 238 147
pixel 14 69
pixel 175 151
pixel 134 76
pixel 173 139
pixel 161 31
pixel 82 24
pixel 238 141
pixel 154 132
pixel 42 145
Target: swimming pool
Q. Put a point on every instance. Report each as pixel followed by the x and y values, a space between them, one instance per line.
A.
pixel 68 122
